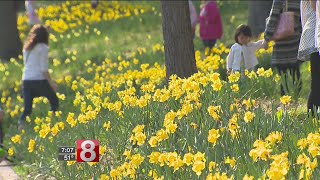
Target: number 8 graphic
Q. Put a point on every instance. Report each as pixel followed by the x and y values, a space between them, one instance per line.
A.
pixel 87 147
pixel 85 150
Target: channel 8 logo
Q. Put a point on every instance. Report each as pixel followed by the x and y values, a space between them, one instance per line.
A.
pixel 87 150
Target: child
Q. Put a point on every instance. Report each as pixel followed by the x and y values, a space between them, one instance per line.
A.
pixel 210 23
pixel 242 53
pixel 36 78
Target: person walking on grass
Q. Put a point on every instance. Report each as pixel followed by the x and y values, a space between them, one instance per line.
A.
pixel 284 54
pixel 309 51
pixel 210 23
pixel 36 78
pixel 242 53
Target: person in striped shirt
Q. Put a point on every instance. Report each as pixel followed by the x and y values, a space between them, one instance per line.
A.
pixel 284 55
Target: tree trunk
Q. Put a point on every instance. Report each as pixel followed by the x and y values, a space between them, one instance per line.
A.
pixel 178 42
pixel 10 43
pixel 258 12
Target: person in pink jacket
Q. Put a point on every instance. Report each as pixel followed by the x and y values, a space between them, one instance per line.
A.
pixel 210 23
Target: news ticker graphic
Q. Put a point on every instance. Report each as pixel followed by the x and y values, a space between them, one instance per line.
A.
pixel 85 151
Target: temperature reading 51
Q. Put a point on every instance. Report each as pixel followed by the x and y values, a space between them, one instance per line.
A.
pixel 67 157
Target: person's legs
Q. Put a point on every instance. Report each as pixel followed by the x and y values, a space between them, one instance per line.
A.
pixel 205 43
pixel 296 78
pixel 282 71
pixel 28 98
pixel 48 92
pixel 1 128
pixel 314 96
pixel 54 101
pixel 94 3
pixel 209 43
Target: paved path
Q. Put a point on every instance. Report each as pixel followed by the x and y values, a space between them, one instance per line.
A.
pixel 6 172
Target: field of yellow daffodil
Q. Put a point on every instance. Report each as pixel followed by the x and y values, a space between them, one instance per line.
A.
pixel 209 126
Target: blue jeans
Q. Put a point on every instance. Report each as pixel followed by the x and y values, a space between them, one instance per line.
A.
pixel 37 88
pixel 290 69
pixel 209 43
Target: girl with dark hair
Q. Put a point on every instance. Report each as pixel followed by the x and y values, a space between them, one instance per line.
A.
pixel 36 78
pixel 242 53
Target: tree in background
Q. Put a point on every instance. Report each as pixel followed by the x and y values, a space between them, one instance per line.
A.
pixel 258 12
pixel 178 42
pixel 10 43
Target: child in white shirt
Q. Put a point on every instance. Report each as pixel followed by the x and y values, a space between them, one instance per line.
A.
pixel 242 53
